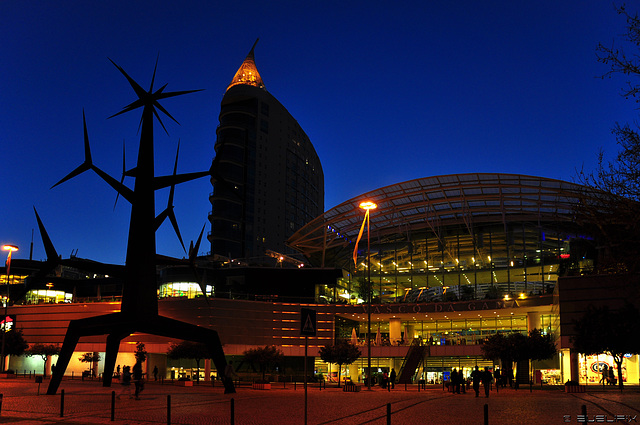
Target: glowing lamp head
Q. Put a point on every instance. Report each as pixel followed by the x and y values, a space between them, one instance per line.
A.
pixel 10 248
pixel 368 205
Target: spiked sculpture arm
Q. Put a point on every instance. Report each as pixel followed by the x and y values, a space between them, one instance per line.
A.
pixel 123 190
pixel 166 181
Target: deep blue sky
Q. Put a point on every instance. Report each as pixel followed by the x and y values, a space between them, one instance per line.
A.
pixel 387 92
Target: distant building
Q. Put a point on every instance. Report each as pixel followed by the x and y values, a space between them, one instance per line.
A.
pixel 267 178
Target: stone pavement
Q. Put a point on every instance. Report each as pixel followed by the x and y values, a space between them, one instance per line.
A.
pixel 89 403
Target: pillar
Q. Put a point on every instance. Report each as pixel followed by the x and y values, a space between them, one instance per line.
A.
pixel 94 364
pixel 207 370
pixel 395 330
pixel 47 366
pixel 353 372
pixel 533 321
pixel 409 333
pixel 574 364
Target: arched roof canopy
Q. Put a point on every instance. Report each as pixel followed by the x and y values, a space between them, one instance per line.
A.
pixel 441 201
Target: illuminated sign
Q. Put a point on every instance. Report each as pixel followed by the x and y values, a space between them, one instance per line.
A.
pixel 8 323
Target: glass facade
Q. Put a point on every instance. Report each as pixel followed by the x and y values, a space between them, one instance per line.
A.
pixel 524 260
pixel 450 238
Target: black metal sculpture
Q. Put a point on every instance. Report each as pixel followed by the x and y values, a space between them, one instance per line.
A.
pixel 139 308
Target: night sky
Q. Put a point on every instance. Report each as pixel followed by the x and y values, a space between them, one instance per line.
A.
pixel 387 92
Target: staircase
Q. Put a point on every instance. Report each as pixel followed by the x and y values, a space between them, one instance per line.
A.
pixel 412 360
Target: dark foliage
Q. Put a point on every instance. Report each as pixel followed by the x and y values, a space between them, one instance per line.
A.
pixel 341 353
pixel 189 350
pixel 602 330
pixel 264 357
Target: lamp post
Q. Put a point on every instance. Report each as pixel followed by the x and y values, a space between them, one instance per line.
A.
pixel 9 248
pixel 367 206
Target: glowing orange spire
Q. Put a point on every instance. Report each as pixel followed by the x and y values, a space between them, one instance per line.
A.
pixel 248 73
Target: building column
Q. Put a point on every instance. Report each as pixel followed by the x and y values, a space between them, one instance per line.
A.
pixel 395 330
pixel 533 321
pixel 207 370
pixel 353 372
pixel 409 332
pixel 47 366
pixel 574 365
pixel 94 365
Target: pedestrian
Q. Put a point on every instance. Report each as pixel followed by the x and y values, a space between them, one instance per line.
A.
pixel 155 373
pixel 125 381
pixel 612 377
pixel 138 378
pixel 392 378
pixel 496 377
pixel 453 382
pixel 605 374
pixel 476 377
pixel 229 373
pixel 118 371
pixel 486 381
pixel 385 379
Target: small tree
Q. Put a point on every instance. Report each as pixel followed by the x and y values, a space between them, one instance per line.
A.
pixel 516 348
pixel 601 330
pixel 364 289
pixel 15 344
pixel 90 358
pixel 264 357
pixel 44 351
pixel 341 353
pixel 189 350
pixel 141 353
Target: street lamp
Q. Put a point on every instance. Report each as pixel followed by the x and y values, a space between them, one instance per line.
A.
pixel 9 248
pixel 367 206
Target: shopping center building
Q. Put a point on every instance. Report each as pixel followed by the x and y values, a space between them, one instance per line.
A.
pixel 453 260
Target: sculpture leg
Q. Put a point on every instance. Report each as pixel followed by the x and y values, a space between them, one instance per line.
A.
pixel 217 355
pixel 186 331
pixel 68 346
pixel 113 344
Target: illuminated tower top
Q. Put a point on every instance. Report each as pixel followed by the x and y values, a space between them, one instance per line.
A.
pixel 248 73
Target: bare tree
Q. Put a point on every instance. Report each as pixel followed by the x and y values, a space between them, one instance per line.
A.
pixel 610 210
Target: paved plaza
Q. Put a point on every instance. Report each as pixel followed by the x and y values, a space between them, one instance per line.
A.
pixel 89 403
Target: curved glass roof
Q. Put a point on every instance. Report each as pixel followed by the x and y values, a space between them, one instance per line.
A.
pixel 438 201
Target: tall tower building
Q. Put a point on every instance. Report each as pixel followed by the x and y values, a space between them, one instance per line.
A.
pixel 267 177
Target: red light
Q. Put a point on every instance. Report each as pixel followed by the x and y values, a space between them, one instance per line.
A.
pixel 565 256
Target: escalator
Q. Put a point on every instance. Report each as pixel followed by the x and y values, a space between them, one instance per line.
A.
pixel 413 359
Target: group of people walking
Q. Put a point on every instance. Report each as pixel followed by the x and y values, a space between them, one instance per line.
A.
pixel 478 376
pixel 129 375
pixel 388 379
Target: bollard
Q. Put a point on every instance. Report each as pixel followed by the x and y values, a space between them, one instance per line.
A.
pixel 388 413
pixel 168 409
pixel 486 414
pixel 584 410
pixel 405 386
pixel 295 387
pixel 113 406
pixel 72 375
pixel 233 416
pixel 389 387
pixel 61 403
pixel 0 403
